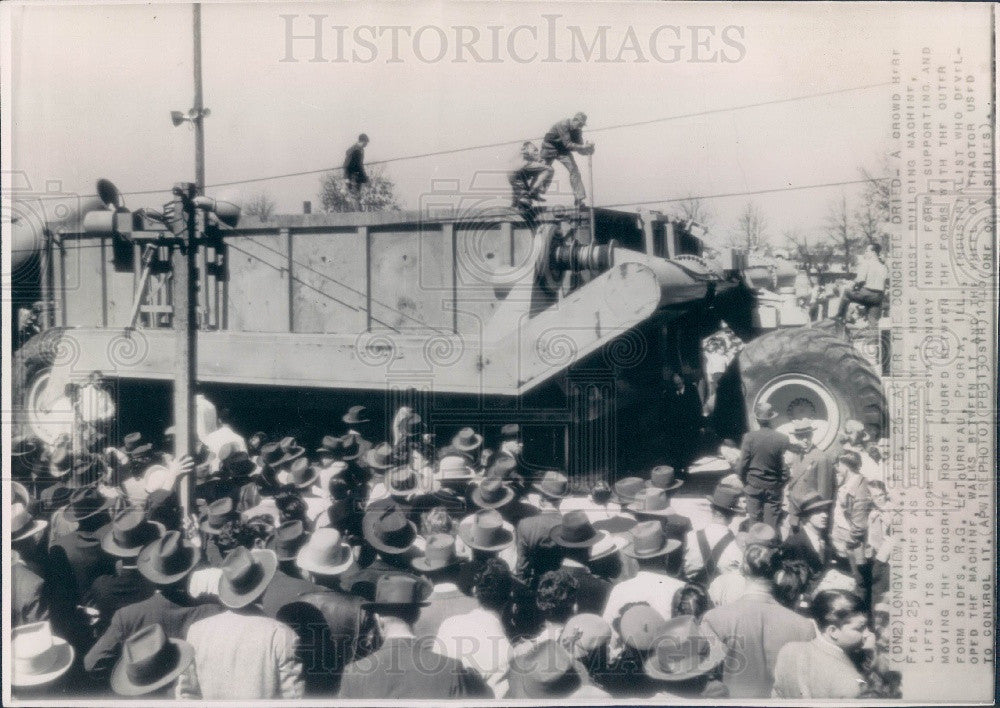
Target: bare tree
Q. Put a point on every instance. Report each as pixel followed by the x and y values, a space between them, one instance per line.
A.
pixel 694 209
pixel 379 194
pixel 750 233
pixel 873 210
pixel 814 253
pixel 840 232
pixel 261 205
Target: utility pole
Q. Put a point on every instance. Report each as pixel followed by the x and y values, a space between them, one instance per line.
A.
pixel 185 290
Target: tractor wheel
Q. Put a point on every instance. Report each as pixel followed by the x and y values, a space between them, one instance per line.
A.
pixel 807 373
pixel 39 411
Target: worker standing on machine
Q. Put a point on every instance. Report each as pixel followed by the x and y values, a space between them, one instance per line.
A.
pixel 527 179
pixel 563 139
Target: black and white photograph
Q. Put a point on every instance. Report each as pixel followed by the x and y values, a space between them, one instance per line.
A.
pixel 569 353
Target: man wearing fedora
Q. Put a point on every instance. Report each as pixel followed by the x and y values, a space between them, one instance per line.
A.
pixel 506 464
pixel 712 549
pixel 286 585
pixel 76 559
pixel 537 553
pixel 41 661
pixel 440 565
pixel 762 468
pixel 150 664
pixel 653 502
pixel 577 537
pixel 130 532
pixel 851 510
pixel 649 546
pixel 685 662
pixel 405 666
pixel 325 558
pixel 811 468
pixel 466 443
pixel 391 543
pixel 241 653
pixel 548 672
pixel 755 627
pixel 167 564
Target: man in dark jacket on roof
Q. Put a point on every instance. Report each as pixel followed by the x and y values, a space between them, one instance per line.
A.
pixel 354 165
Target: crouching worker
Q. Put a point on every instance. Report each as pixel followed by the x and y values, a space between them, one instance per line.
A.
pixel 526 180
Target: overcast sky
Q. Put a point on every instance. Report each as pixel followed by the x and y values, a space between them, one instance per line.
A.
pixel 94 86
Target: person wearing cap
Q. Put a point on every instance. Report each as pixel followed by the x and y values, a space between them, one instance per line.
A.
pixel 405 666
pixel 635 630
pixel 823 668
pixel 166 563
pixel 130 532
pixel 478 638
pixel 810 543
pixel 576 537
pixel 755 627
pixel 810 468
pixel 649 546
pixel 851 510
pixel 712 549
pixel 762 469
pixel 150 664
pixel 440 565
pixel 548 672
pixel 685 662
pixel 240 653
pixel 560 142
pixel 287 583
pixel 587 637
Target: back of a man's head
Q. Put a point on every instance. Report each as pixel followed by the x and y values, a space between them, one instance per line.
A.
pixel 493 585
pixel 761 562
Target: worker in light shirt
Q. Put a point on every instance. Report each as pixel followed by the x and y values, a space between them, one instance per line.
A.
pixel 869 286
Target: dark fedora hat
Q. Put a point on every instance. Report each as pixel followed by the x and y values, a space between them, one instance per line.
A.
pixel 491 494
pixel 439 553
pixel 546 670
pixel 271 454
pixel 86 502
pixel 291 449
pixel 663 477
pixel 236 463
pixel 627 489
pixel 299 474
pixel 681 651
pixel 353 447
pixel 466 439
pixel 130 532
pixel 407 482
pixel 388 531
pixel 553 484
pixel 330 445
pixel 400 589
pixel 648 541
pixel 135 446
pixel 149 661
pixel 764 411
pixel 575 531
pixel 217 514
pixel 167 559
pixel 725 498
pixel 356 415
pixel 245 575
pixel 486 530
pixel 288 539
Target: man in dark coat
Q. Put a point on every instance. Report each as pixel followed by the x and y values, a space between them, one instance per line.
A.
pixel 286 585
pixel 76 559
pixel 354 165
pixel 166 563
pixel 810 543
pixel 762 470
pixel 405 667
pixel 682 421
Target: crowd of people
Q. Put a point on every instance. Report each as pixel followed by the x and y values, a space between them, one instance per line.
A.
pixel 387 563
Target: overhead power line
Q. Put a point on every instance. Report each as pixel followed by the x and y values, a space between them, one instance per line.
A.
pixel 517 141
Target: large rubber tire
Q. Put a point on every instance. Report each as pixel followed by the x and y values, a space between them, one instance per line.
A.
pixel 29 363
pixel 818 362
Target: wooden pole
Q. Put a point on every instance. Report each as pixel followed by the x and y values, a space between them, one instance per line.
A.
pixel 186 352
pixel 199 119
